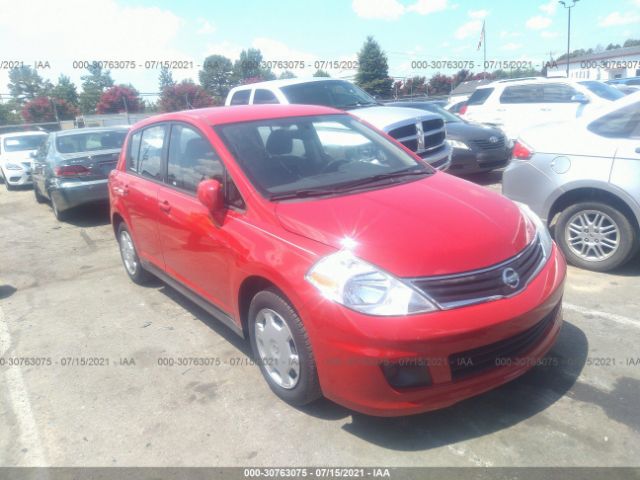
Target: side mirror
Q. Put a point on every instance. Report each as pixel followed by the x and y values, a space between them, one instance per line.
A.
pixel 580 98
pixel 210 195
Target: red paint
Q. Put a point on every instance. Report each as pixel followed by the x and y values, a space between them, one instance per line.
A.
pixel 433 226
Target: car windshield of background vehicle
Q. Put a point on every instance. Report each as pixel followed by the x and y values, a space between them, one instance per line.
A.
pixel 306 156
pixel 603 90
pixel 92 141
pixel 448 117
pixel 20 144
pixel 334 93
pixel 623 123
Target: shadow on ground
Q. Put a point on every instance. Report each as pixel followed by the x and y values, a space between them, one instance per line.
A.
pixel 93 215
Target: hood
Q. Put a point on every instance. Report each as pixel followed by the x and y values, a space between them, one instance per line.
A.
pixel 388 118
pixel 21 156
pixel 471 131
pixel 434 226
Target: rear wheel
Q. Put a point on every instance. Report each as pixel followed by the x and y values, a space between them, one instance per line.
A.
pixel 59 214
pixel 596 236
pixel 282 349
pixel 130 259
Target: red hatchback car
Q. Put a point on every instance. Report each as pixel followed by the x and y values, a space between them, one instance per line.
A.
pixel 355 270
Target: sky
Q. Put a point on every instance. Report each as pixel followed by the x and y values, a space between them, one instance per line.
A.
pixel 63 31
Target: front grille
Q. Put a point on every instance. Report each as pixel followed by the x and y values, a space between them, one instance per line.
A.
pixel 485 144
pixel 434 135
pixel 470 362
pixel 457 290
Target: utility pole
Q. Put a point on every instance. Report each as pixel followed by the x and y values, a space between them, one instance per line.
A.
pixel 568 7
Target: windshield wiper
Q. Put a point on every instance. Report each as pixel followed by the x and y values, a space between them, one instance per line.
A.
pixel 303 193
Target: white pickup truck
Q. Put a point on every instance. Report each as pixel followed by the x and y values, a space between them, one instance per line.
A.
pixel 420 131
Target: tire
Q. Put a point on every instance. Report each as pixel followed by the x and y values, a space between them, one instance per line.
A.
pixel 130 259
pixel 36 192
pixel 269 307
pixel 60 215
pixel 596 236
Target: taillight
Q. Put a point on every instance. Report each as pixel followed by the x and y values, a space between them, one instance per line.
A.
pixel 463 109
pixel 522 151
pixel 71 170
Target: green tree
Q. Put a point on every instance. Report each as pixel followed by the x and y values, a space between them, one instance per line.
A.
pixel 25 84
pixel 373 69
pixel 166 78
pixel 286 74
pixel 65 90
pixel 93 85
pixel 216 75
pixel 7 115
pixel 631 43
pixel 321 73
pixel 248 68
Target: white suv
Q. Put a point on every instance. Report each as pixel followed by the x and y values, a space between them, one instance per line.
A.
pixel 514 105
pixel 422 132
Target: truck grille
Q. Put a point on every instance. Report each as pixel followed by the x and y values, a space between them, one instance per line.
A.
pixel 470 362
pixel 457 290
pixel 434 135
pixel 485 144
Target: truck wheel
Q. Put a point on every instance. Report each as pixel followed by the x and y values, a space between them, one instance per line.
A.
pixel 130 259
pixel 282 349
pixel 596 236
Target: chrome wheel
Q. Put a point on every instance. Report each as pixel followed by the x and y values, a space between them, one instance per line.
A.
pixel 277 349
pixel 592 235
pixel 128 252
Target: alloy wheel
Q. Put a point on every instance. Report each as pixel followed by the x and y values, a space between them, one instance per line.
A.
pixel 592 235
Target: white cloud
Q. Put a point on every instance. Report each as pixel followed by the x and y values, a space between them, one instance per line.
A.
pixel 226 48
pixel 468 29
pixel 378 9
pixel 511 46
pixel 616 18
pixel 275 50
pixel 507 34
pixel 425 7
pixel 478 14
pixel 538 22
pixel 548 34
pixel 205 27
pixel 549 8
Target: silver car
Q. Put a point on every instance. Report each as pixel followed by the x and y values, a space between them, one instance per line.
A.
pixel 583 178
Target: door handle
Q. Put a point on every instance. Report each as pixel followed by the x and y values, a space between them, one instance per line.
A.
pixel 165 206
pixel 121 191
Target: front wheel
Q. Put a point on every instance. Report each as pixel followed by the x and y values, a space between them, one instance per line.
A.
pixel 282 349
pixel 595 236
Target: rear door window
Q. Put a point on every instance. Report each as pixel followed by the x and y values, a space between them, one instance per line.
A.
pixel 479 96
pixel 521 94
pixel 263 96
pixel 150 157
pixel 241 97
pixel 191 159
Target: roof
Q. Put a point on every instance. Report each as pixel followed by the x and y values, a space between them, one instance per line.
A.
pixel 240 113
pixel 468 87
pixel 285 82
pixel 78 131
pixel 23 134
pixel 616 52
pixel 528 80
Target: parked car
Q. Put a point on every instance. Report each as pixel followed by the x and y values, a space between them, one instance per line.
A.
pixel 514 105
pixel 476 148
pixel 456 107
pixel 72 166
pixel 629 81
pixel 627 89
pixel 355 269
pixel 15 157
pixel 422 133
pixel 584 177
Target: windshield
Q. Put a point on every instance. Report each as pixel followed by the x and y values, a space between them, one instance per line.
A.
pixel 603 90
pixel 331 93
pixel 434 108
pixel 328 153
pixel 22 143
pixel 91 141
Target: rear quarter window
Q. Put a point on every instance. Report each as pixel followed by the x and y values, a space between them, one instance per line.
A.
pixel 241 97
pixel 480 96
pixel 132 152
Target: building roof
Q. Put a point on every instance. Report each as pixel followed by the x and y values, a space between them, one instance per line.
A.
pixel 468 87
pixel 616 52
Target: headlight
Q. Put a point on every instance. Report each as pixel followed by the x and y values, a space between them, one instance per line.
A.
pixel 541 228
pixel 459 144
pixel 344 278
pixel 12 166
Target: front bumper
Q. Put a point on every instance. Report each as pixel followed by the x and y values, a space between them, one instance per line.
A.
pixel 440 159
pixel 69 194
pixel 476 161
pixel 18 177
pixel 350 347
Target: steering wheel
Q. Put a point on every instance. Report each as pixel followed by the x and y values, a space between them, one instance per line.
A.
pixel 333 165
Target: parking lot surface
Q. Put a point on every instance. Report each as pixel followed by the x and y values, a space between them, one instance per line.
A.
pixel 94 384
